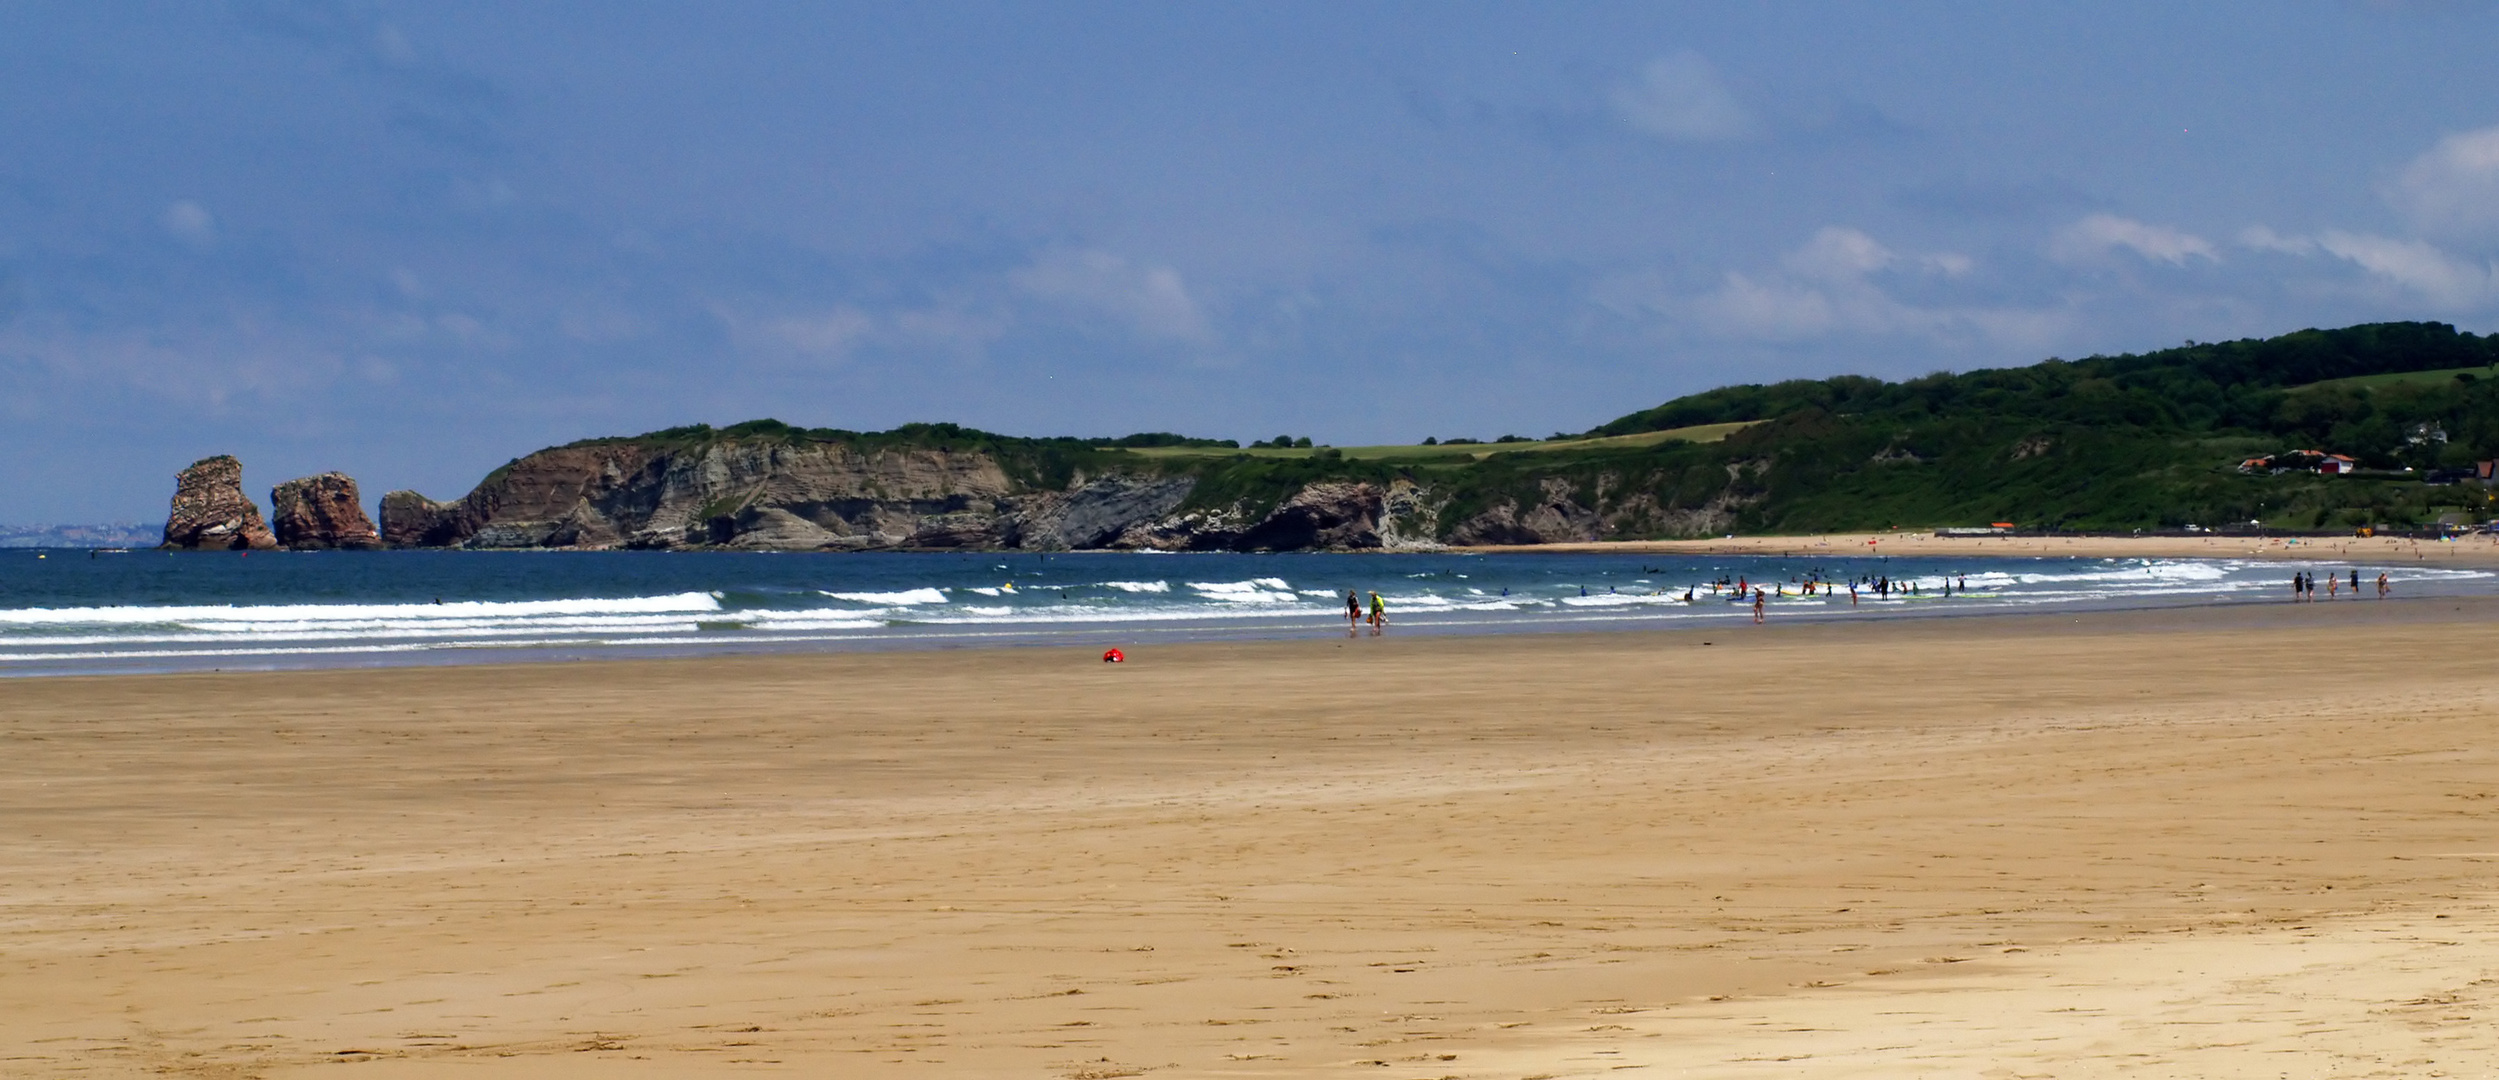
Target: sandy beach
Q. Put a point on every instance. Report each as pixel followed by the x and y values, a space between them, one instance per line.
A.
pixel 2476 551
pixel 2224 842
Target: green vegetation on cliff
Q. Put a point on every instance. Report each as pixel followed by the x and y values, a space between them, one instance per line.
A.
pixel 2137 441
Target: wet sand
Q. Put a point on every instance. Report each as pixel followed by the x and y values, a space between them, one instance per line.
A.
pixel 2245 841
pixel 2475 551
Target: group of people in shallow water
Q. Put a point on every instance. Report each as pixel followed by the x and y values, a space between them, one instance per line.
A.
pixel 1816 585
pixel 2304 587
pixel 1355 618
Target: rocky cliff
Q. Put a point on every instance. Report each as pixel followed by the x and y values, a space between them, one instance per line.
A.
pixel 766 486
pixel 320 512
pixel 210 511
pixel 831 495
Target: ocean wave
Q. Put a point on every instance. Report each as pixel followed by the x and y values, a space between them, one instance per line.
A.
pixel 458 609
pixel 1254 591
pixel 966 600
pixel 892 599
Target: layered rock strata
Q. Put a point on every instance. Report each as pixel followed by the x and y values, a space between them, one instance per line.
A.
pixel 828 496
pixel 322 512
pixel 210 511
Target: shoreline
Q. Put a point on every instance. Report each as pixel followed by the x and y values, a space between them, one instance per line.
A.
pixel 1704 613
pixel 639 614
pixel 2480 550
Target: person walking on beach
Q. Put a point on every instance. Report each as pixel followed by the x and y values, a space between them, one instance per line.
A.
pixel 2383 587
pixel 2333 587
pixel 1758 606
pixel 2295 587
pixel 1379 612
pixel 2355 583
pixel 1852 594
pixel 1353 609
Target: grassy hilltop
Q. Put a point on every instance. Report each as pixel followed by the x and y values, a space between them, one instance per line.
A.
pixel 2124 442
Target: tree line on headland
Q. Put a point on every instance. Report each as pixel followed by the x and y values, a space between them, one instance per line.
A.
pixel 2156 440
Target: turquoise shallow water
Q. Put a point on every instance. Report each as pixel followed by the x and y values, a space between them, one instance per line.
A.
pixel 72 611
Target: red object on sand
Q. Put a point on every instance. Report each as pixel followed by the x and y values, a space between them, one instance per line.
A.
pixel 1114 657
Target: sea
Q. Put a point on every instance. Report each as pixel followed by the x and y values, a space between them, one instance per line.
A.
pixel 138 611
pixel 71 611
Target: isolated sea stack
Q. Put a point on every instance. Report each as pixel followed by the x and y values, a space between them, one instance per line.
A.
pixel 210 512
pixel 317 513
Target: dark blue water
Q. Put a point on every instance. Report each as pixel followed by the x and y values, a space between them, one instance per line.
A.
pixel 64 611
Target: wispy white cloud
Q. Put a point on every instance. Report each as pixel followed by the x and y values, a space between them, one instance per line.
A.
pixel 2095 238
pixel 2418 267
pixel 208 368
pixel 2453 189
pixel 1835 284
pixel 1839 254
pixel 833 335
pixel 190 223
pixel 1152 301
pixel 2261 238
pixel 829 333
pixel 1681 98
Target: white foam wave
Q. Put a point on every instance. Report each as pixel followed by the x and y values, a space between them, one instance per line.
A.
pixel 1138 586
pixel 463 609
pixel 891 599
pixel 1254 591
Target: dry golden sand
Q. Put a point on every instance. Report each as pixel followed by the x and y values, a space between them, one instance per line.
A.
pixel 2383 551
pixel 2215 843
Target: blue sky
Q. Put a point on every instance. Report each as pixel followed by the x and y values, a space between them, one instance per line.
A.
pixel 413 240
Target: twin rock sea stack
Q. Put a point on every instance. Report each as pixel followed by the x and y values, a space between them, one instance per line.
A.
pixel 314 513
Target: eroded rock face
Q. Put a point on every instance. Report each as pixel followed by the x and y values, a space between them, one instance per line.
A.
pixel 1094 513
pixel 317 513
pixel 783 495
pixel 777 496
pixel 1323 516
pixel 210 512
pixel 1556 517
pixel 412 520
